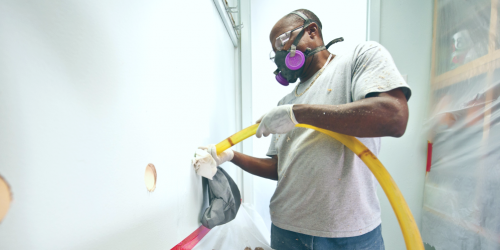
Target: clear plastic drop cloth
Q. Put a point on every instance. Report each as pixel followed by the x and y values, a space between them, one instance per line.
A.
pixel 461 206
pixel 246 230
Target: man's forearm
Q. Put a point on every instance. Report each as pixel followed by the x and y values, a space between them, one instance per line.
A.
pixel 383 115
pixel 263 167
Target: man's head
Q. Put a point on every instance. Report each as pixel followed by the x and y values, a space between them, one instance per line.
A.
pixel 312 35
pixel 296 39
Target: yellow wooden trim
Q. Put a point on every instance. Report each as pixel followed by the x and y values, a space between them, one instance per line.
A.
pixel 434 41
pixel 482 65
pixel 493 27
pixel 477 67
pixel 489 79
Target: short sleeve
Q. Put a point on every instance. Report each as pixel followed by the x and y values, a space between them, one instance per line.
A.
pixel 374 71
pixel 272 148
pixel 272 151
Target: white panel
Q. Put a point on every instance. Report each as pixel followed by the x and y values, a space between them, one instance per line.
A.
pixel 90 93
pixel 226 19
pixel 246 92
pixel 406 31
pixel 373 21
pixel 339 18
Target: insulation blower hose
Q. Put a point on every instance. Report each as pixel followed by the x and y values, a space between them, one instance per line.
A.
pixel 411 234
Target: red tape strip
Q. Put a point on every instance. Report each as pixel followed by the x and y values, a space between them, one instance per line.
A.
pixel 189 242
pixel 429 156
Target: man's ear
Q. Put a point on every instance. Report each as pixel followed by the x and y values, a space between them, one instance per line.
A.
pixel 312 30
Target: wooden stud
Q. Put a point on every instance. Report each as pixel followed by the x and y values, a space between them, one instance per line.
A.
pixel 434 41
pixel 482 65
pixel 493 27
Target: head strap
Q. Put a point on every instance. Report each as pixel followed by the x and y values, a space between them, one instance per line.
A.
pixel 307 22
pixel 334 41
pixel 300 14
pixel 310 52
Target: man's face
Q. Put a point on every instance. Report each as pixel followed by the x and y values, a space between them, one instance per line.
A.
pixel 281 27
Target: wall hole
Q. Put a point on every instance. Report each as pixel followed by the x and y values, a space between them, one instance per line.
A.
pixel 150 177
pixel 5 197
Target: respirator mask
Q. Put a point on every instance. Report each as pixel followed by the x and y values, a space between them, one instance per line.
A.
pixel 291 62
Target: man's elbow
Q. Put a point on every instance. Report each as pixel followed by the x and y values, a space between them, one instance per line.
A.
pixel 398 124
pixel 395 105
pixel 398 131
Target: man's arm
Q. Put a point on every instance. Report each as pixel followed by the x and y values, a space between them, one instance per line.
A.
pixel 263 167
pixel 380 114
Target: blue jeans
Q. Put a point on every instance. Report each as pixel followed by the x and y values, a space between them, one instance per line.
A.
pixel 282 239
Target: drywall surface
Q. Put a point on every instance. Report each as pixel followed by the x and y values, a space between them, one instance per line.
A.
pixel 406 31
pixel 90 93
pixel 339 18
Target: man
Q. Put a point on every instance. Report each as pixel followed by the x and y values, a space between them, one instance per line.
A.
pixel 325 196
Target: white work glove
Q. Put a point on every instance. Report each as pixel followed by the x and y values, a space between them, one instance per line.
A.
pixel 222 157
pixel 279 120
pixel 206 160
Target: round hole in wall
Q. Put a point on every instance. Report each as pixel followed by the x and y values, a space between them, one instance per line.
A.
pixel 5 197
pixel 150 177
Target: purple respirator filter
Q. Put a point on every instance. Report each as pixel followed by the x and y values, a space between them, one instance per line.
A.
pixel 282 80
pixel 296 62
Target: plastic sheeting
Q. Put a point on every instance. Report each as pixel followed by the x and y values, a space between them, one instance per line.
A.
pixel 246 230
pixel 461 207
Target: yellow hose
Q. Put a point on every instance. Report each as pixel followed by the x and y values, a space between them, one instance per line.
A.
pixel 406 221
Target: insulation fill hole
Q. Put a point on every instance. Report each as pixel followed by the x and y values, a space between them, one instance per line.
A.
pixel 5 198
pixel 150 177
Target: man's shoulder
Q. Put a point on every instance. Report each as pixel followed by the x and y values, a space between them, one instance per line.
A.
pixel 287 98
pixel 365 47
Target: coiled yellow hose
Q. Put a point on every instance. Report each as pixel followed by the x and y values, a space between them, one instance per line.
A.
pixel 406 221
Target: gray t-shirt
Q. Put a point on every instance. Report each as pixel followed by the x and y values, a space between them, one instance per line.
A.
pixel 323 188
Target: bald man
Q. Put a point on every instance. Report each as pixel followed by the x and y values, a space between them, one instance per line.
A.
pixel 325 196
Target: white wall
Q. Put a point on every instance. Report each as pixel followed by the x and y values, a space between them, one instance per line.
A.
pixel 406 31
pixel 339 18
pixel 90 93
pixel 245 50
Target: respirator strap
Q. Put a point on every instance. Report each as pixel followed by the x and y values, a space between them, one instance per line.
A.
pixel 297 40
pixel 334 41
pixel 310 52
pixel 299 36
pixel 307 22
pixel 300 14
pixel 306 19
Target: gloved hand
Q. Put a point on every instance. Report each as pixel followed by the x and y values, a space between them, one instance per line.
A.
pixel 206 160
pixel 204 164
pixel 279 120
pixel 227 155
